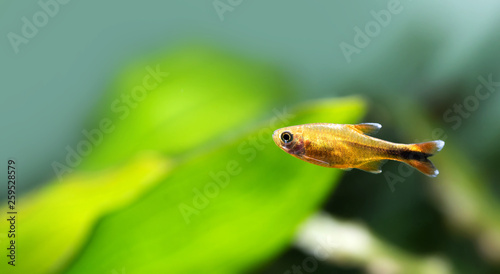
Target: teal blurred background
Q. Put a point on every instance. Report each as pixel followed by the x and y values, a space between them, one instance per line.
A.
pixel 430 56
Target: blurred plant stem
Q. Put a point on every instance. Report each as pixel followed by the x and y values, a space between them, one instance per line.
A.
pixel 461 190
pixel 348 243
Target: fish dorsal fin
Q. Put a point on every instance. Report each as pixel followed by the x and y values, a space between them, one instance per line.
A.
pixel 367 128
pixel 373 167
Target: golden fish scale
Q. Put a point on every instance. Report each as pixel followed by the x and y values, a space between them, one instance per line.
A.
pixel 341 146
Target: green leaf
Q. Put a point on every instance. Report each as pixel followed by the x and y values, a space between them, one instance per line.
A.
pixel 130 209
pixel 54 222
pixel 189 110
pixel 223 211
pixel 205 94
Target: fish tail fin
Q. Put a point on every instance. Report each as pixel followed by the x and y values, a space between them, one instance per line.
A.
pixel 425 166
pixel 429 148
pixel 418 154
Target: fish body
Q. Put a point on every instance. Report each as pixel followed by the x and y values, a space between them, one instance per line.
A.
pixel 349 146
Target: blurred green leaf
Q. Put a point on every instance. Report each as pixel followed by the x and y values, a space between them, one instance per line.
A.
pixel 187 109
pixel 213 128
pixel 205 93
pixel 54 222
pixel 213 214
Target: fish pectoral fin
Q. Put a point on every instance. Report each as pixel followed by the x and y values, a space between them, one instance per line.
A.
pixel 367 128
pixel 316 161
pixel 373 167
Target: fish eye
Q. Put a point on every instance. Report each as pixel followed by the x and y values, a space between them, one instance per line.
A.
pixel 286 137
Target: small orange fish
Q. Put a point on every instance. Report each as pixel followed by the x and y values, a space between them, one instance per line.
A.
pixel 349 146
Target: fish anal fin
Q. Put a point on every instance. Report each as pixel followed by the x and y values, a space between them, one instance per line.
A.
pixel 373 166
pixel 367 128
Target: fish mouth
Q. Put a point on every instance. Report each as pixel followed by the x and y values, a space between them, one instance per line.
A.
pixel 276 137
pixel 276 133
